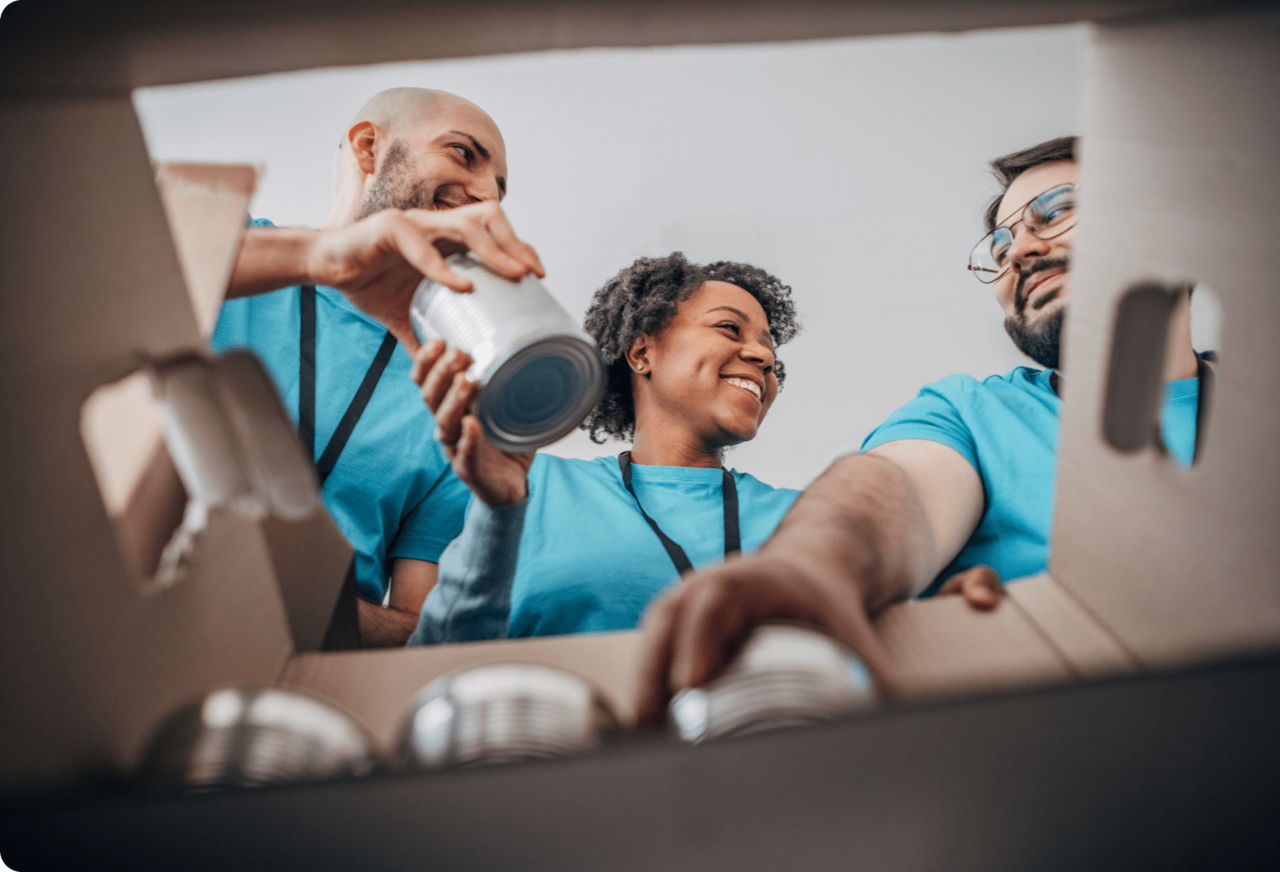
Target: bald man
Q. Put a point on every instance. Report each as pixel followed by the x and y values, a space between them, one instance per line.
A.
pixel 418 176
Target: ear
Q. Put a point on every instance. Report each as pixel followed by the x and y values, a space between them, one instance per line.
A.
pixel 365 139
pixel 638 355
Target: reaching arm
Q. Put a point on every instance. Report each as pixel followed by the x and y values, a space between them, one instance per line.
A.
pixel 473 599
pixel 378 261
pixel 873 529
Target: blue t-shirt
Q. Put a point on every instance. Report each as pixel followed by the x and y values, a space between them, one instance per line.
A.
pixel 1007 428
pixel 589 562
pixel 392 492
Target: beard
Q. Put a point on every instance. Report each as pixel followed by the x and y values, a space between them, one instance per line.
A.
pixel 396 186
pixel 1038 341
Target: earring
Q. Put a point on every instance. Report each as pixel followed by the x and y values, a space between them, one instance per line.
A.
pixel 639 367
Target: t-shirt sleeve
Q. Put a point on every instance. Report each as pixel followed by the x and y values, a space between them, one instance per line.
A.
pixel 935 415
pixel 434 522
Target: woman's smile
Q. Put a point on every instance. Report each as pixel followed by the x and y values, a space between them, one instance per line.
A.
pixel 747 385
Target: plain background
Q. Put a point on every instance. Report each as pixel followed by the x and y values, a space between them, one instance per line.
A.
pixel 855 170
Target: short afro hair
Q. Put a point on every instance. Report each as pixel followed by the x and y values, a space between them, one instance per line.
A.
pixel 642 299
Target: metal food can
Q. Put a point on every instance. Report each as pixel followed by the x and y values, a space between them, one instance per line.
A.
pixel 502 713
pixel 785 676
pixel 254 736
pixel 539 373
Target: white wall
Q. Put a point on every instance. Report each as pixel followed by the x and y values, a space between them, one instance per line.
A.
pixel 853 169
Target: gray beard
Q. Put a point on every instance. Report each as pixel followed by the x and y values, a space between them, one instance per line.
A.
pixel 1039 342
pixel 394 187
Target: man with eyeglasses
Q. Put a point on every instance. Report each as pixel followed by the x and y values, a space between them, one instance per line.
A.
pixel 956 485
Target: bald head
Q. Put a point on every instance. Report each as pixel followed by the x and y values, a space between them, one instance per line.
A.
pixel 400 111
pixel 417 148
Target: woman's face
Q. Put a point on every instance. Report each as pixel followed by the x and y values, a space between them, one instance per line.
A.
pixel 711 367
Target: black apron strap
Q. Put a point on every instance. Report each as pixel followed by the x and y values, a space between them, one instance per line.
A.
pixel 307 389
pixel 732 535
pixel 1203 399
pixel 307 371
pixel 351 417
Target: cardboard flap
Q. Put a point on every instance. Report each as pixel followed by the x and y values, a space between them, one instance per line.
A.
pixel 1181 154
pixel 206 206
pixel 310 557
pixel 943 647
pixel 1085 644
pixel 92 661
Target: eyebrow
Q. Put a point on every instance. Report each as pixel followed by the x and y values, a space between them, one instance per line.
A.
pixel 743 315
pixel 484 153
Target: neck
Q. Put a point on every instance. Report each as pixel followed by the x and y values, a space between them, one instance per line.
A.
pixel 655 446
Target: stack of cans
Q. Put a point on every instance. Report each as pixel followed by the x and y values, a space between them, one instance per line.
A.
pixel 255 736
pixel 539 373
pixel 503 712
pixel 786 676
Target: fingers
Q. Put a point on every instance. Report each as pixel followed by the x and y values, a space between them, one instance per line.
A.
pixel 481 228
pixel 425 358
pixel 505 237
pixel 497 478
pixel 655 659
pixel 456 404
pixel 692 634
pixel 415 238
pixel 439 378
pixel 979 585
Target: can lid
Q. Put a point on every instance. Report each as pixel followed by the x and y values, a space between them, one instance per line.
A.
pixel 541 392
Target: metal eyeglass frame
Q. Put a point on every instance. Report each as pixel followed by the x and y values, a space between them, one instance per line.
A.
pixel 979 272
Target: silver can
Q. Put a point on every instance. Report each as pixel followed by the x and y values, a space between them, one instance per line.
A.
pixel 785 676
pixel 254 736
pixel 539 373
pixel 502 713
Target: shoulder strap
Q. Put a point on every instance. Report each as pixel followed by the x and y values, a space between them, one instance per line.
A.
pixel 307 388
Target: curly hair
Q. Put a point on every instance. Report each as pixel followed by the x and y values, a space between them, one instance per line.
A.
pixel 642 299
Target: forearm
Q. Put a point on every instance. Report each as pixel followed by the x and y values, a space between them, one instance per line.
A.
pixel 862 523
pixel 472 599
pixel 271 258
pixel 382 627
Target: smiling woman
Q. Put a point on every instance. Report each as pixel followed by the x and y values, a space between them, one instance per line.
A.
pixel 556 545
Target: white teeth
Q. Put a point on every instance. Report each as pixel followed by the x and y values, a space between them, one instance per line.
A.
pixel 743 383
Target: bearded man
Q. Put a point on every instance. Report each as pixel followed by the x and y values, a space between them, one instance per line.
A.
pixel 960 478
pixel 417 176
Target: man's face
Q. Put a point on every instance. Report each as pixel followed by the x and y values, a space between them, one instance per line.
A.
pixel 1033 292
pixel 455 157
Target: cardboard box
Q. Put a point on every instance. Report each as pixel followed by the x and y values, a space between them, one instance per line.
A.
pixel 1153 567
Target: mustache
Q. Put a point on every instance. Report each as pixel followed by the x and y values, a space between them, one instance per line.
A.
pixel 1044 263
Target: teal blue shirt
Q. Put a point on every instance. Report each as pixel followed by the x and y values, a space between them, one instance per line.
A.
pixel 588 560
pixel 392 492
pixel 1007 428
pixel 577 556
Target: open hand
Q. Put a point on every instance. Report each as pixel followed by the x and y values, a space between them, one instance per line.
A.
pixel 379 261
pixel 497 477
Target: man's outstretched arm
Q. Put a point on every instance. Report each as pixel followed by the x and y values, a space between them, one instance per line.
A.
pixel 378 261
pixel 874 528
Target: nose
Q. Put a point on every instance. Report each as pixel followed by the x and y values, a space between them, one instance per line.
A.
pixel 474 187
pixel 1026 247
pixel 758 353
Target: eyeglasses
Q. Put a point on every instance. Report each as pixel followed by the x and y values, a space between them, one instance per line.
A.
pixel 1048 215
